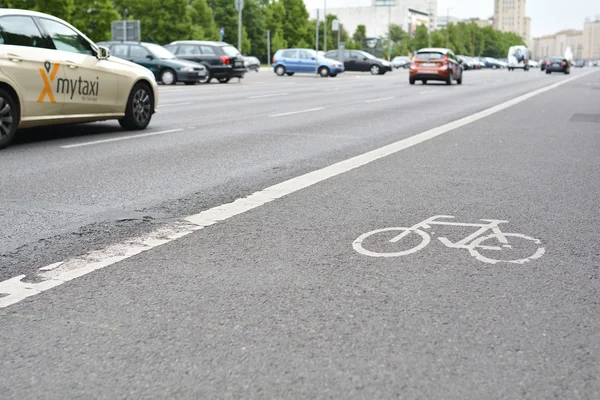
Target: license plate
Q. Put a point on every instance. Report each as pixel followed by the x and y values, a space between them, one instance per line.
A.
pixel 237 64
pixel 428 65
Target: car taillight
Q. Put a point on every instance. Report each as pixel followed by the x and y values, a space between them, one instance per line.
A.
pixel 225 60
pixel 274 60
pixel 548 63
pixel 564 64
pixel 446 59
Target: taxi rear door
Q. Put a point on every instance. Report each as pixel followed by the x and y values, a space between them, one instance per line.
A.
pixel 31 66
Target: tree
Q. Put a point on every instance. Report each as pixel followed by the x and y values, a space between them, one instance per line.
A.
pixel 162 21
pixel 226 16
pixel 255 24
pixel 360 33
pixel 276 15
pixel 63 9
pixel 396 34
pixel 203 21
pixel 94 17
pixel 421 38
pixel 295 26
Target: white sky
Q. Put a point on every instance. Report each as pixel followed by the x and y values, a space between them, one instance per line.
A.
pixel 547 16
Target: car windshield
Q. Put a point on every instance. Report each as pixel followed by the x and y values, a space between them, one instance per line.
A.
pixel 430 55
pixel 556 59
pixel 159 51
pixel 230 51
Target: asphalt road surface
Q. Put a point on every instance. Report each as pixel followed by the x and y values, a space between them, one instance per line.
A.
pixel 391 241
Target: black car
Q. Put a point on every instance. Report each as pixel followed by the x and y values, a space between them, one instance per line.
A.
pixel 164 65
pixel 356 60
pixel 222 60
pixel 558 64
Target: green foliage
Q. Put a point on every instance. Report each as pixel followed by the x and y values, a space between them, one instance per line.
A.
pixel 396 34
pixel 421 38
pixel 226 16
pixel 203 21
pixel 63 9
pixel 254 21
pixel 94 17
pixel 296 26
pixel 360 33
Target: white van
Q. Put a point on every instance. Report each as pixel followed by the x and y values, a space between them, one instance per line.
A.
pixel 518 57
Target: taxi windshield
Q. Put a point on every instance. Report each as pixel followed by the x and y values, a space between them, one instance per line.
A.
pixel 159 51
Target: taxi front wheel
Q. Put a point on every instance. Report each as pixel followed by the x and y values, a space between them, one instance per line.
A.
pixel 139 108
pixel 9 118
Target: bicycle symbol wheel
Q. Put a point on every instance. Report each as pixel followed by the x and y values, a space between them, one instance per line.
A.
pixel 498 246
pixel 358 243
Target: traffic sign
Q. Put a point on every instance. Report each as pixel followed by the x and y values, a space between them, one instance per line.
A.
pixel 239 4
pixel 222 33
pixel 335 25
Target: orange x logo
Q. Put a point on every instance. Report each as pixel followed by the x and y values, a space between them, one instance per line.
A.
pixel 47 91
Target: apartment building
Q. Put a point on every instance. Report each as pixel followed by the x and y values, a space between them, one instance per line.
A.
pixel 509 16
pixel 591 39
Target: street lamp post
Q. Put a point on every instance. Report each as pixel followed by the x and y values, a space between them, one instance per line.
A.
pixel 325 27
pixel 448 27
pixel 389 29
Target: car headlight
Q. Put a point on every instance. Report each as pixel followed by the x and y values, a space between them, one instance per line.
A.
pixel 186 69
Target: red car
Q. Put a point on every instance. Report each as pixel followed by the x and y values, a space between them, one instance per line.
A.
pixel 435 65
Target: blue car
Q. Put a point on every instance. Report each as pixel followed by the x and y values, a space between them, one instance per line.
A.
pixel 290 61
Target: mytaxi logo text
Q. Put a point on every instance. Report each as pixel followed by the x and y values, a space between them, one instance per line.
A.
pixel 48 77
pixel 88 90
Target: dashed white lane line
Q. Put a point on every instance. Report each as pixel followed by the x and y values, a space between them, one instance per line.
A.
pixel 428 91
pixel 118 139
pixel 296 112
pixel 15 290
pixel 377 100
pixel 187 103
pixel 264 96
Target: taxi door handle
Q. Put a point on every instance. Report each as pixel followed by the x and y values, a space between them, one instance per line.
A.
pixel 14 58
pixel 72 65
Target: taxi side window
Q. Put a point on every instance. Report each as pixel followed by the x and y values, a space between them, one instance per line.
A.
pixel 65 38
pixel 18 30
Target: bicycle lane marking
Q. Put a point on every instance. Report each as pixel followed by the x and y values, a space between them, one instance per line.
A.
pixel 472 242
pixel 14 290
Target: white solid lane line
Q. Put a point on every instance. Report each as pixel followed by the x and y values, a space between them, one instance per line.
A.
pixel 428 91
pixel 117 139
pixel 264 96
pixel 15 290
pixel 296 112
pixel 381 99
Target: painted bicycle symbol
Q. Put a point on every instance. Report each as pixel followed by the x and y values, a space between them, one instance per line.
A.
pixel 475 243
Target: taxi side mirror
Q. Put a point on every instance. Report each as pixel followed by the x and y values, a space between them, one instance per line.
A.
pixel 103 53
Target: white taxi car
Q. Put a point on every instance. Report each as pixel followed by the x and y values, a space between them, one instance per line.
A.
pixel 50 73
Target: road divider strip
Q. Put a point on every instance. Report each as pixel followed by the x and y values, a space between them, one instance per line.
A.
pixel 15 289
pixel 117 139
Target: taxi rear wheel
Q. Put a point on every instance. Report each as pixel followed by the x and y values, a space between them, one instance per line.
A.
pixel 139 108
pixel 9 117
